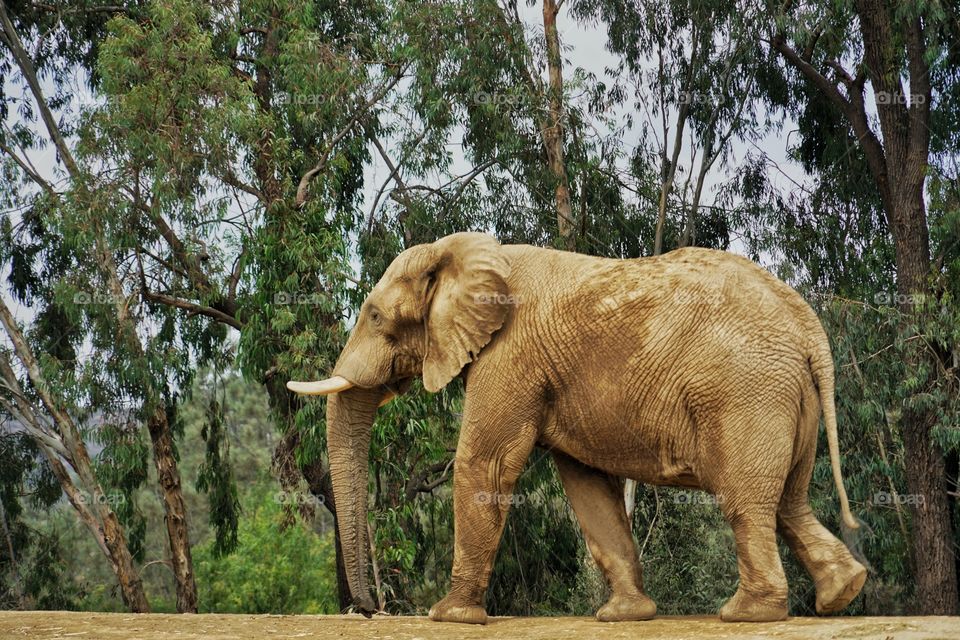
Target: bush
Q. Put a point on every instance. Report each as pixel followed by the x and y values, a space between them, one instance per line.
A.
pixel 274 569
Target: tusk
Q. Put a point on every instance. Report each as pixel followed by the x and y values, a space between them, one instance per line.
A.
pixel 391 394
pixel 321 387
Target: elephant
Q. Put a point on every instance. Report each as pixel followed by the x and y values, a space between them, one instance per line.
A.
pixel 696 368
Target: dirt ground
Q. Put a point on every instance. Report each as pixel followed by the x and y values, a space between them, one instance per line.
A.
pixel 43 625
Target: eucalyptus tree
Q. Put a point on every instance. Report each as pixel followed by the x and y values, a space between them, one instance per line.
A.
pixel 880 85
pixel 52 207
pixel 64 449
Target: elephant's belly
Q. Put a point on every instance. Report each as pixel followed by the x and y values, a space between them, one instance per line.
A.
pixel 662 454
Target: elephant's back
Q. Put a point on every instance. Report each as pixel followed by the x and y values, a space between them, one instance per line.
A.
pixel 748 293
pixel 704 310
pixel 687 294
pixel 690 276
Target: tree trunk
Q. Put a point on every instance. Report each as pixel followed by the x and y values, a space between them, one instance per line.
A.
pixel 131 587
pixel 904 121
pixel 668 168
pixel 553 131
pixel 669 172
pixel 936 582
pixel 158 426
pixel 175 512
pixel 932 542
pixel 114 546
pixel 690 226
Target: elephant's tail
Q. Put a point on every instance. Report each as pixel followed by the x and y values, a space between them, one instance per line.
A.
pixel 822 370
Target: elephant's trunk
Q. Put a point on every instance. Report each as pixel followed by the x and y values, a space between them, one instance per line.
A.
pixel 350 416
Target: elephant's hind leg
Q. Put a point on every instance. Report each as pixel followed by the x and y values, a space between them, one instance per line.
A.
pixel 750 458
pixel 762 593
pixel 837 575
pixel 597 501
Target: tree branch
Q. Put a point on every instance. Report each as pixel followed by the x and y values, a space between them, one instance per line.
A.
pixel 30 74
pixel 325 156
pixel 418 483
pixel 192 307
pixel 828 88
pixel 231 179
pixel 853 107
pixel 27 169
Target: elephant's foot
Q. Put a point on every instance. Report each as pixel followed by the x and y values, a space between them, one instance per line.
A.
pixel 836 590
pixel 627 607
pixel 449 610
pixel 744 607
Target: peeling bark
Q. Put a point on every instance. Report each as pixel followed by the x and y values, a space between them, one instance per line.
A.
pixel 175 512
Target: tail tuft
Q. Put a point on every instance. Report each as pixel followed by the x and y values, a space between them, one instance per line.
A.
pixel 853 538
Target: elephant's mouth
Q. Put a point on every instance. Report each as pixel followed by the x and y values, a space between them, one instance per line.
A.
pixel 395 388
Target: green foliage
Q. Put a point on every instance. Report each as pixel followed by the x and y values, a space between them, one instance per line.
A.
pixel 274 569
pixel 687 550
pixel 33 575
pixel 215 477
pixel 541 550
pixel 412 528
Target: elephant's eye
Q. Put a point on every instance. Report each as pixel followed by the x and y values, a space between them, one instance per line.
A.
pixel 375 317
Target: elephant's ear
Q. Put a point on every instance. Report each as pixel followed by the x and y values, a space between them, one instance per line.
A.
pixel 466 301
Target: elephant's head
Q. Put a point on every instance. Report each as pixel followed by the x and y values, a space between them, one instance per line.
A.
pixel 432 312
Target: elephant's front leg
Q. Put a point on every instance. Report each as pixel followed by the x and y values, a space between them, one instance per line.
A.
pixel 490 456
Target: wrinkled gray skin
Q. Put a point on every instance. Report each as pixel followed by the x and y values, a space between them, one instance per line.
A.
pixel 693 369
